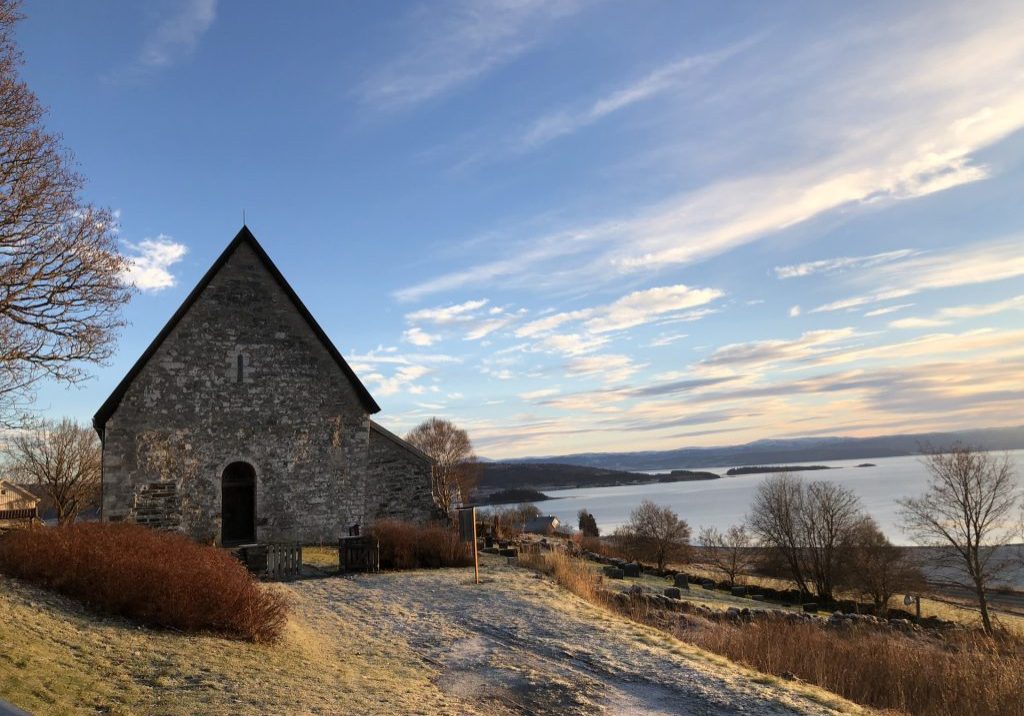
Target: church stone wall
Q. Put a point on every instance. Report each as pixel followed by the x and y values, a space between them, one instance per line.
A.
pixel 294 416
pixel 398 481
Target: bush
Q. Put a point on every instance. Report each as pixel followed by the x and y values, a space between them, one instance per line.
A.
pixel 405 545
pixel 161 579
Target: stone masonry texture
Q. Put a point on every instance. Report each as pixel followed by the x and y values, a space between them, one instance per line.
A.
pixel 320 463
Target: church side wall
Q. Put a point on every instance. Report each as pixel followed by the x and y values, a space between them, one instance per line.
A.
pixel 398 482
pixel 293 416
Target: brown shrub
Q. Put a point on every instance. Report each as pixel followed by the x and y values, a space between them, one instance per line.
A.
pixel 406 545
pixel 161 579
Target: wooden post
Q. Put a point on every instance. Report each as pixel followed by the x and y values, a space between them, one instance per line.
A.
pixel 476 558
pixel 467 533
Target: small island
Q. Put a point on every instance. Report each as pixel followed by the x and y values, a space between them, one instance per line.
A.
pixel 513 495
pixel 760 469
pixel 867 464
pixel 687 475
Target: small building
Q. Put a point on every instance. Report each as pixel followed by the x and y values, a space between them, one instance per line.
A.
pixel 18 505
pixel 543 525
pixel 241 422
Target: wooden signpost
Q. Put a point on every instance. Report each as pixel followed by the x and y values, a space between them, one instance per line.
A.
pixel 467 533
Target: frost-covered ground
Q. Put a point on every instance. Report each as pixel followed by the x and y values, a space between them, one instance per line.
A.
pixel 428 642
pixel 520 644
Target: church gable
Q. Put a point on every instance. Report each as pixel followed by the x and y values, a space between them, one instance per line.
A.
pixel 234 283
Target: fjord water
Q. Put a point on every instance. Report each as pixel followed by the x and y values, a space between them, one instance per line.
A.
pixel 724 502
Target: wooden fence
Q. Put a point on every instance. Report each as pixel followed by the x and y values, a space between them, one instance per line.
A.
pixel 358 554
pixel 273 561
pixel 284 561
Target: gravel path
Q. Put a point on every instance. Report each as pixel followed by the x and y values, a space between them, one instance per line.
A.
pixel 520 644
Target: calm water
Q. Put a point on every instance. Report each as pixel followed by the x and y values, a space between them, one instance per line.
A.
pixel 724 502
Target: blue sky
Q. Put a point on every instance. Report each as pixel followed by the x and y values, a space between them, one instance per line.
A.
pixel 576 226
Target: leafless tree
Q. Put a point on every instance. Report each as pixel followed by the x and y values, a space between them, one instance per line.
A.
pixel 61 276
pixel 810 525
pixel 776 520
pixel 63 458
pixel 880 569
pixel 968 515
pixel 654 533
pixel 732 552
pixel 456 470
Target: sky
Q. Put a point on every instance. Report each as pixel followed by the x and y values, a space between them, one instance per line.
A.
pixel 578 226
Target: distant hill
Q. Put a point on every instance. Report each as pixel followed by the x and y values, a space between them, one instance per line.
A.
pixel 774 452
pixel 508 476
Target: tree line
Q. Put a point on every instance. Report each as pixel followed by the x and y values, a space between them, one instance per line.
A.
pixel 818 535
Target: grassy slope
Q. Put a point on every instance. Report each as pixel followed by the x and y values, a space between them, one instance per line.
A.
pixel 57 658
pixel 340 653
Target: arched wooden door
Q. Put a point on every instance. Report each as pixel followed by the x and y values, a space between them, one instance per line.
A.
pixel 238 504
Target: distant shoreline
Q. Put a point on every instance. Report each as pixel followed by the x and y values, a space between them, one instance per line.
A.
pixel 762 469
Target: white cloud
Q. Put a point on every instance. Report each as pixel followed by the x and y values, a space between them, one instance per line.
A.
pixel 418 337
pixel 666 339
pixel 946 316
pixel 150 262
pixel 487 327
pixel 985 309
pixel 445 315
pixel 810 344
pixel 901 113
pixel 611 368
pixel 642 307
pixel 981 263
pixel 549 323
pixel 841 263
pixel 661 80
pixel 917 323
pixel 537 394
pixel 794 311
pixel 570 344
pixel 459 44
pixel 174 38
pixel 887 310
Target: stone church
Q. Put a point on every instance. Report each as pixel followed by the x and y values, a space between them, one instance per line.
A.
pixel 242 422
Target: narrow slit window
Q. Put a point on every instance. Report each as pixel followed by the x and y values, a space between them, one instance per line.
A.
pixel 241 368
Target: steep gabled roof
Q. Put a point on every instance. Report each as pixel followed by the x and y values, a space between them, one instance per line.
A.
pixel 244 236
pixel 405 445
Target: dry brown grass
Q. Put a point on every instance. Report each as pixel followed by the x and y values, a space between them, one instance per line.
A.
pixel 569 572
pixel 156 578
pixel 966 673
pixel 405 545
pixel 970 674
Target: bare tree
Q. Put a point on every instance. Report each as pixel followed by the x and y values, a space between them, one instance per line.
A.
pixel 968 515
pixel 881 569
pixel 654 533
pixel 456 471
pixel 831 517
pixel 731 552
pixel 63 458
pixel 775 519
pixel 811 526
pixel 61 276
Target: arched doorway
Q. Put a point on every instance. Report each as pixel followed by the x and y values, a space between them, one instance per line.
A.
pixel 238 504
